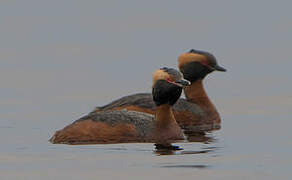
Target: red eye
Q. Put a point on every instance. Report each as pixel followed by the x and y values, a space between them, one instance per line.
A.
pixel 169 80
pixel 205 63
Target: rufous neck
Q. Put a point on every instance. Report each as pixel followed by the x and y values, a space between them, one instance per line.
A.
pixel 167 130
pixel 196 93
pixel 164 116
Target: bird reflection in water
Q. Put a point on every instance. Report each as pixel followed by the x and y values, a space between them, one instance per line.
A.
pixel 200 137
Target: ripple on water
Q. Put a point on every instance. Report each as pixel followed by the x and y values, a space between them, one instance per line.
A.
pixel 194 166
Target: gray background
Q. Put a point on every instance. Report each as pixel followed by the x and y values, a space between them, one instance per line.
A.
pixel 60 59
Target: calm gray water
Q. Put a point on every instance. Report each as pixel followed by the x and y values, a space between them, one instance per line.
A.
pixel 58 60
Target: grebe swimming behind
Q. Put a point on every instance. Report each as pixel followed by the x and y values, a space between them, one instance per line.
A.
pixel 121 126
pixel 196 113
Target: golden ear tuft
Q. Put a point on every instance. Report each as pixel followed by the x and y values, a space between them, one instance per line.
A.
pixel 188 57
pixel 158 75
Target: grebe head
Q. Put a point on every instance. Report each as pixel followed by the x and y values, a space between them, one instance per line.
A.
pixel 170 75
pixel 167 86
pixel 196 64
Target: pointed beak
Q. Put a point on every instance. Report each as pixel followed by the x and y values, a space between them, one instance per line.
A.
pixel 183 82
pixel 219 68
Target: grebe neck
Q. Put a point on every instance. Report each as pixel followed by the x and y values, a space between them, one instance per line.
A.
pixel 196 93
pixel 166 128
